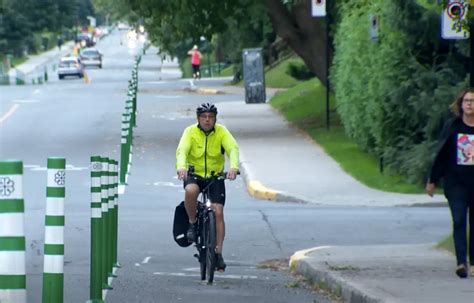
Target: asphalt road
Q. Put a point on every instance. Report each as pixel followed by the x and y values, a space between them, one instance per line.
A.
pixel 76 120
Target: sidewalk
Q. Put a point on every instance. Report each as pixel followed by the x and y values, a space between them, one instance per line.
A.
pixel 36 65
pixel 281 163
pixel 385 273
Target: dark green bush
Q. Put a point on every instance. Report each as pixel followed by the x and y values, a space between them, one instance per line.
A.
pixel 393 94
pixel 299 71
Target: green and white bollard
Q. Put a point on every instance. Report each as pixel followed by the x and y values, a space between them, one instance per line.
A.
pixel 115 246
pixel 124 148
pixel 104 197
pixel 96 231
pixel 129 167
pixel 12 233
pixel 111 221
pixel 53 273
pixel 129 110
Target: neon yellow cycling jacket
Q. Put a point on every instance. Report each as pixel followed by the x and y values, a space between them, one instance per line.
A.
pixel 206 152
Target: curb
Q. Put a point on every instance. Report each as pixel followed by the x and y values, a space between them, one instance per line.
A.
pixel 209 91
pixel 255 188
pixel 204 91
pixel 326 279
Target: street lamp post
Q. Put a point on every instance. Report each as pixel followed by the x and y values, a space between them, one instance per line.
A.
pixel 328 84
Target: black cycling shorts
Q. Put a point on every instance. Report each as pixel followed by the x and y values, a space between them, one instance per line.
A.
pixel 216 190
pixel 195 68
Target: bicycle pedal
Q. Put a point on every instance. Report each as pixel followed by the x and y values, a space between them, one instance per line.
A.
pixel 196 256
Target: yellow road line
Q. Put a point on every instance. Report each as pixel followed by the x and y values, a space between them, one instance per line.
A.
pixel 86 78
pixel 9 113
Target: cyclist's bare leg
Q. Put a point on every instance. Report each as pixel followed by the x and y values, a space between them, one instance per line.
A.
pixel 220 226
pixel 191 193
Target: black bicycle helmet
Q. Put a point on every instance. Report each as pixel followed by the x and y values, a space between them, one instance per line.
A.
pixel 206 108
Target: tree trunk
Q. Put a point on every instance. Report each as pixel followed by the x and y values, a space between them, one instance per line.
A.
pixel 305 34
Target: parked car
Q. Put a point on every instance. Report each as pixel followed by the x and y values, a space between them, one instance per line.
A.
pixel 70 66
pixel 123 26
pixel 85 39
pixel 91 56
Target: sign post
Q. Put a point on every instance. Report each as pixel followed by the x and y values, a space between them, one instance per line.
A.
pixel 451 19
pixel 318 9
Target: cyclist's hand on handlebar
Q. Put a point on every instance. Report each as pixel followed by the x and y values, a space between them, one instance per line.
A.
pixel 232 173
pixel 182 173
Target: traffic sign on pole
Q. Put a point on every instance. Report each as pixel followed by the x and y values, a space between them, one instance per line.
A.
pixel 318 8
pixel 374 28
pixel 453 14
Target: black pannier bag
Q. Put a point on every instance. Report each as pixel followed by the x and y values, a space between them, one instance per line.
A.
pixel 180 225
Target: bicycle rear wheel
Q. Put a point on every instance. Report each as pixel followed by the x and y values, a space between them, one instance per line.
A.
pixel 210 246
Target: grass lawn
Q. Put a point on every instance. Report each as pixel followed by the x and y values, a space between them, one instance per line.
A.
pixel 279 77
pixel 305 106
pixel 448 243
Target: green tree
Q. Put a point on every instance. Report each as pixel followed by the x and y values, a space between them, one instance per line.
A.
pixel 15 29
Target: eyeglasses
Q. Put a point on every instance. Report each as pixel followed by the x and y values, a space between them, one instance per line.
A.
pixel 468 101
pixel 207 116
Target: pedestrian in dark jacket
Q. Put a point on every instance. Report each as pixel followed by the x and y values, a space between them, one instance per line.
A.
pixel 454 162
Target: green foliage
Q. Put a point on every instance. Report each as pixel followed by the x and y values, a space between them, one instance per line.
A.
pixel 177 25
pixel 22 21
pixel 393 94
pixel 299 71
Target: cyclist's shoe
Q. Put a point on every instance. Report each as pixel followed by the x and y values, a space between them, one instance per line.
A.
pixel 220 264
pixel 191 233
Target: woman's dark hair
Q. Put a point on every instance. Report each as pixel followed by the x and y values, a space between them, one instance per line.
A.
pixel 456 106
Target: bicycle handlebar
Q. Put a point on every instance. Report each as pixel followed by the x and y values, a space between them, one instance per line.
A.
pixel 219 176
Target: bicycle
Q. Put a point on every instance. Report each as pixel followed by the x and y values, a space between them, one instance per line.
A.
pixel 206 229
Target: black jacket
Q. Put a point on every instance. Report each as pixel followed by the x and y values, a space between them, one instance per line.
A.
pixel 454 187
pixel 438 168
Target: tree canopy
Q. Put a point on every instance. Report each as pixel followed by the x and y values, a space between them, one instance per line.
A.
pixel 21 19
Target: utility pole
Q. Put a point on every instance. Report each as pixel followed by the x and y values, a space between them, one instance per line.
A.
pixel 318 9
pixel 328 84
pixel 471 56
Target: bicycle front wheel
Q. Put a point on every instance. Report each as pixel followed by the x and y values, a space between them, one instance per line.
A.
pixel 211 246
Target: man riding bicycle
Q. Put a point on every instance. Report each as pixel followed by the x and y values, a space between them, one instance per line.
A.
pixel 203 145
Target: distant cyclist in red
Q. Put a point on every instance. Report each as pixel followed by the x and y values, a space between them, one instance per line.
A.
pixel 195 61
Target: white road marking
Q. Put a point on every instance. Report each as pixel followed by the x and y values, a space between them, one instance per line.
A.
pixel 69 167
pixel 154 82
pixel 145 261
pixel 26 101
pixel 137 264
pixel 121 189
pixel 9 113
pixel 36 91
pixel 167 96
pixel 220 276
pixel 170 184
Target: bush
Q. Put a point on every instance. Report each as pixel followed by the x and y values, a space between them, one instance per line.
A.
pixel 393 95
pixel 299 71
